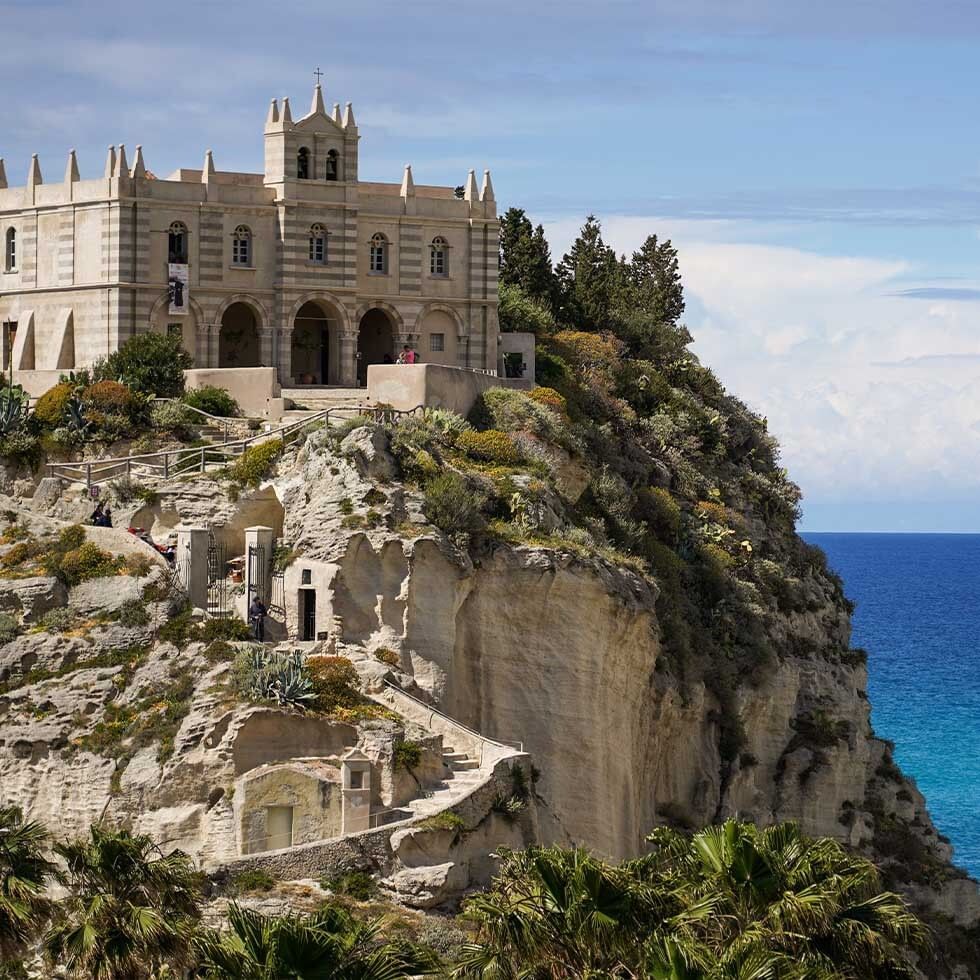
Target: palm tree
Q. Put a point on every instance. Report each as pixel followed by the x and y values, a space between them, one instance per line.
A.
pixel 730 903
pixel 24 870
pixel 774 903
pixel 131 911
pixel 329 943
pixel 561 913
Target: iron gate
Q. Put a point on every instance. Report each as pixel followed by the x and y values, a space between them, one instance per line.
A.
pixel 219 588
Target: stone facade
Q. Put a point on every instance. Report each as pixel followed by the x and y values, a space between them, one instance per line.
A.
pixel 304 268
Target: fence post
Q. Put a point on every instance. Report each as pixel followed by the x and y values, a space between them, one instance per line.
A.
pixel 166 465
pixel 88 475
pixel 203 463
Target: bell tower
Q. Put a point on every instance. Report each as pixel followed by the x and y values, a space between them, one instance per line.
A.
pixel 319 147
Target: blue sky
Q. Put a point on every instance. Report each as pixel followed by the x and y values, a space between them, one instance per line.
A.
pixel 818 166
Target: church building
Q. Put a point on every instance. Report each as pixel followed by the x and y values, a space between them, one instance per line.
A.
pixel 304 268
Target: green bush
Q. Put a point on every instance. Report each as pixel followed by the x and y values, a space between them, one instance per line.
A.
pixel 335 681
pixel 213 400
pixel 52 406
pixel 407 755
pixel 661 512
pixel 512 411
pixel 550 398
pixel 133 612
pixel 452 505
pixel 9 628
pixel 518 311
pixel 21 447
pixel 223 629
pixel 55 621
pixel 387 656
pixel 358 885
pixel 256 463
pixel 491 446
pixel 80 564
pixel 171 416
pixel 152 363
pixel 254 880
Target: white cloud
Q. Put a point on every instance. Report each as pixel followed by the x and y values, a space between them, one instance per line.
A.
pixel 874 397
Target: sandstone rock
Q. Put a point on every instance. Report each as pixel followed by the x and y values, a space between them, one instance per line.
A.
pixel 427 887
pixel 41 651
pixel 34 595
pixel 367 448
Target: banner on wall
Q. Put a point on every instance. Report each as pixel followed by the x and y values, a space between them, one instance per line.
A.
pixel 179 295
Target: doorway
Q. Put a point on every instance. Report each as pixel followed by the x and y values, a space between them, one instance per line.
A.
pixel 315 354
pixel 278 827
pixel 375 342
pixel 307 614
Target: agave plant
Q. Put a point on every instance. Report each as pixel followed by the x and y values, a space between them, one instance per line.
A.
pixel 78 424
pixel 279 677
pixel 13 412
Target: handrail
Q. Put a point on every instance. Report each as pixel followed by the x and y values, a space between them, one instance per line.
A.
pixel 453 721
pixel 96 471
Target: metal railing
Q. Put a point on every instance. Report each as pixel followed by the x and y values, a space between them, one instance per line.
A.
pixel 180 462
pixel 213 420
pixel 454 723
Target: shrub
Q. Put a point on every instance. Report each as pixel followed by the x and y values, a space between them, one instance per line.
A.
pixel 518 311
pixel 256 463
pixel 71 537
pixel 589 351
pixel 452 505
pixel 491 446
pixel 126 489
pixel 55 621
pixel 133 613
pixel 358 885
pixel 407 755
pixel 387 656
pixel 213 400
pixel 254 880
pixel 9 628
pixel 171 416
pixel 335 682
pixel 21 447
pixel 52 406
pixel 512 411
pixel 110 398
pixel 661 512
pixel 223 629
pixel 151 363
pixel 80 564
pixel 448 424
pixel 550 398
pixel 21 552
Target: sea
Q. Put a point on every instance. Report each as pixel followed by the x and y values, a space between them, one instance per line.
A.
pixel 918 616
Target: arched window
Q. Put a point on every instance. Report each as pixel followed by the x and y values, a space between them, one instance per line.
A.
pixel 241 246
pixel 318 244
pixel 378 254
pixel 439 257
pixel 303 163
pixel 10 250
pixel 177 243
pixel 332 165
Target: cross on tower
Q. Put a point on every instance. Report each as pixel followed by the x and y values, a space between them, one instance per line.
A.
pixel 318 75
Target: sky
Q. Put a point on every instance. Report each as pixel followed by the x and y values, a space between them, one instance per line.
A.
pixel 816 165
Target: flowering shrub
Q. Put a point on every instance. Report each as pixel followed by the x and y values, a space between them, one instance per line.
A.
pixel 551 398
pixel 491 446
pixel 335 682
pixel 256 463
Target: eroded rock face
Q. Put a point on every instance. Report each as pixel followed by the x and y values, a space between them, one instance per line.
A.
pixel 562 655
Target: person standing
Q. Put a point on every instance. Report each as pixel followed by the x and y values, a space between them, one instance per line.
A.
pixel 256 618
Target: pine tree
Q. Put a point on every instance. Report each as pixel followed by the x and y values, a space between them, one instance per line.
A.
pixel 588 280
pixel 525 259
pixel 655 281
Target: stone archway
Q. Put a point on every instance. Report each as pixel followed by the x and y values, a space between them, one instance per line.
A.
pixel 238 337
pixel 375 341
pixel 315 354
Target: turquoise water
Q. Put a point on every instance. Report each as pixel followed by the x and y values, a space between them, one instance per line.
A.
pixel 918 616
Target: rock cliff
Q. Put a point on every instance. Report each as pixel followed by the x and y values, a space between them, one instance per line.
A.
pixel 606 578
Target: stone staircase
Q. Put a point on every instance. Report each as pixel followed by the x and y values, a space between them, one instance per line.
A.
pixel 308 400
pixel 462 775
